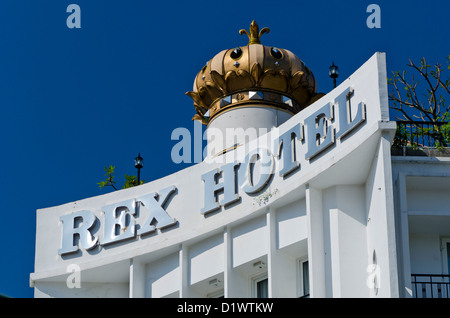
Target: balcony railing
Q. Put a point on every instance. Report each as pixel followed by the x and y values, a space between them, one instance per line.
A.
pixel 421 138
pixel 430 286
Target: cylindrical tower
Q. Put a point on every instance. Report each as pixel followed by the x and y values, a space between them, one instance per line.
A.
pixel 246 91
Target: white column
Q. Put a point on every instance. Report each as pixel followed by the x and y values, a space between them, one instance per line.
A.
pixel 185 290
pixel 380 220
pixel 227 269
pixel 345 206
pixel 137 279
pixel 385 153
pixel 282 268
pixel 335 252
pixel 405 258
pixel 316 250
pixel 271 238
pixel 235 284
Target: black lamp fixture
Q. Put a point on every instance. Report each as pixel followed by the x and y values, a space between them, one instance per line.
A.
pixel 138 164
pixel 334 73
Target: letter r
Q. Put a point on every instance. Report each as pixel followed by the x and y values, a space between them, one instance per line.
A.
pixel 70 231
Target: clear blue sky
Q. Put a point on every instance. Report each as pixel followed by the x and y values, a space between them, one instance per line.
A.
pixel 75 100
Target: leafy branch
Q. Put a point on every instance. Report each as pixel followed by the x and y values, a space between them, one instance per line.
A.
pixel 422 100
pixel 109 178
pixel 130 180
pixel 406 94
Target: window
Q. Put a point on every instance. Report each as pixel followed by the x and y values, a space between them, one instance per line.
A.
pixel 303 278
pixel 445 250
pixel 445 256
pixel 448 258
pixel 261 287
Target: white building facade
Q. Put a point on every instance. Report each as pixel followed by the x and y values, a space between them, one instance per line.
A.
pixel 315 207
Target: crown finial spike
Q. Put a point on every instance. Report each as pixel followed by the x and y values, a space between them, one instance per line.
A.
pixel 255 33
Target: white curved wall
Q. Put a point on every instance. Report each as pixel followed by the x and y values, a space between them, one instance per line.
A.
pixel 242 125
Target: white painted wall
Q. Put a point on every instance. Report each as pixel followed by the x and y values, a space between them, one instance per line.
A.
pixel 163 277
pixel 426 255
pixel 255 121
pixel 250 241
pixel 423 215
pixel 348 237
pixel 291 223
pixel 86 290
pixel 207 259
pixel 381 226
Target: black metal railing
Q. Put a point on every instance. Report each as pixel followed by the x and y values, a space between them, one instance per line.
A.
pixel 430 286
pixel 422 134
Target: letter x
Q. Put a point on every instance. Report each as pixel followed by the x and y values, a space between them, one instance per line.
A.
pixel 156 211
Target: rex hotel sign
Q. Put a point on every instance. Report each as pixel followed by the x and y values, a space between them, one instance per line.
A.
pixel 314 135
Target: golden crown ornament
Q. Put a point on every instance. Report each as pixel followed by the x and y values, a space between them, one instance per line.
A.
pixel 251 75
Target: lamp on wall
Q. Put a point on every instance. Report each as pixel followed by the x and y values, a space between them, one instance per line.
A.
pixel 138 164
pixel 334 73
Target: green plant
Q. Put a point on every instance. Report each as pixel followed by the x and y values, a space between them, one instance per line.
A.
pixel 130 180
pixel 401 137
pixel 264 198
